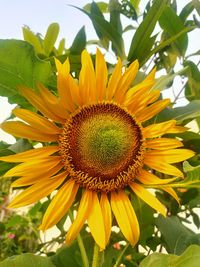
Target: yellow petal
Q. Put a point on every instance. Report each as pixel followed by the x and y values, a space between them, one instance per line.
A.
pixel 33 166
pixel 126 81
pixel 82 215
pixel 125 216
pixel 41 152
pixel 101 75
pixel 158 129
pixel 136 94
pixel 163 143
pixel 148 178
pixel 150 111
pixel 107 216
pixel 96 222
pixel 62 84
pixel 171 155
pixel 153 96
pixel 60 204
pixel 32 178
pixel 20 129
pixel 87 79
pixel 162 166
pixel 147 197
pixel 75 92
pixel 172 192
pixel 54 104
pixel 38 191
pixel 114 80
pixel 38 103
pixel 178 129
pixel 36 121
pixel 151 75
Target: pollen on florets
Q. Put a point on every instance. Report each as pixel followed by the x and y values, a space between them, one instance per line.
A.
pixel 101 147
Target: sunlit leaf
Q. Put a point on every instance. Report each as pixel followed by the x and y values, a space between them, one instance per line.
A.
pixel 33 39
pixel 20 66
pixel 51 37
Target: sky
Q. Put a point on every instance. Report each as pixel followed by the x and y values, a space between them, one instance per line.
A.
pixel 38 14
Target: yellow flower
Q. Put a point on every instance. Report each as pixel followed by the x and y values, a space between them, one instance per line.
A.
pixel 98 145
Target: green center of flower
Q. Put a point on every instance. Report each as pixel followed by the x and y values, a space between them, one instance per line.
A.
pixel 107 140
pixel 101 142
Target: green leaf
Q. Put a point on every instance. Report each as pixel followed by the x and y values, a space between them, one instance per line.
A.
pixel 20 66
pixel 61 47
pixel 192 91
pixel 103 6
pixel 115 21
pixel 79 42
pixel 165 80
pixel 186 11
pixel 172 25
pixel 193 173
pixel 196 6
pixel 104 29
pixel 33 39
pixel 70 256
pixel 166 43
pixel 190 258
pixel 27 260
pixel 181 114
pixel 51 37
pixel 175 235
pixel 20 146
pixel 142 36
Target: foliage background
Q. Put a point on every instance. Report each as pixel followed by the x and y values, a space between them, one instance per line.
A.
pixel 157 35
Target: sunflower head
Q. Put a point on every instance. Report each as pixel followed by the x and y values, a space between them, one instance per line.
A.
pixel 98 144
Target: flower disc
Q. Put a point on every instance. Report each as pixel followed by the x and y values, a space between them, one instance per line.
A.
pixel 101 147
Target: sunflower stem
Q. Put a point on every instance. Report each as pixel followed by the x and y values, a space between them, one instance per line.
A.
pixel 97 257
pixel 121 255
pixel 80 244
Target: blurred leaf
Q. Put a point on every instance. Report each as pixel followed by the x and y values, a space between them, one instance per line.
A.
pixel 51 37
pixel 20 66
pixel 103 6
pixel 192 90
pixel 135 3
pixel 70 256
pixel 20 146
pixel 61 47
pixel 175 235
pixel 190 258
pixel 145 218
pixel 196 4
pixel 186 11
pixel 33 39
pixel 26 260
pixel 140 43
pixel 172 24
pixel 79 42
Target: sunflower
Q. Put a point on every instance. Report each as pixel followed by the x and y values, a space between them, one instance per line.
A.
pixel 98 142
